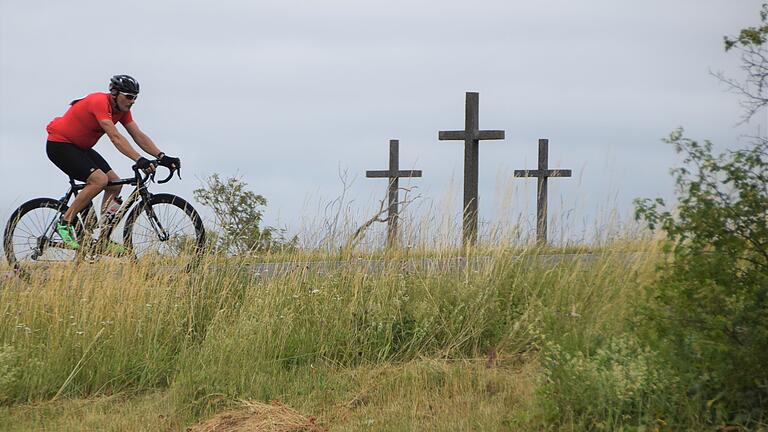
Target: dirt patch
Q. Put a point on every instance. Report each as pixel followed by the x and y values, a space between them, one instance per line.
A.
pixel 259 417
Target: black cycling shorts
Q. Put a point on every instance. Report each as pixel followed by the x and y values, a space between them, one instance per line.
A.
pixel 74 161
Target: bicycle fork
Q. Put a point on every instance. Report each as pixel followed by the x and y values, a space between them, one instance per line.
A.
pixel 43 241
pixel 162 234
pixel 47 238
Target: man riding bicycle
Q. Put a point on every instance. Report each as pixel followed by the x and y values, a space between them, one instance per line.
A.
pixel 72 136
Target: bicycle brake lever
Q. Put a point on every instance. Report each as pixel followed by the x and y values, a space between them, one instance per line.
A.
pixel 170 176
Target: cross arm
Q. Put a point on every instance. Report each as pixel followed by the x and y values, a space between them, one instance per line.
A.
pixel 559 173
pixel 478 135
pixel 540 173
pixel 451 135
pixel 490 135
pixel 377 174
pixel 528 173
pixel 411 173
pixel 388 174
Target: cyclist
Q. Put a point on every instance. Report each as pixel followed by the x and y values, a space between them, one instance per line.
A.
pixel 72 136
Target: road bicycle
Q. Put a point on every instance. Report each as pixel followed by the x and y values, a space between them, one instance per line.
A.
pixel 157 226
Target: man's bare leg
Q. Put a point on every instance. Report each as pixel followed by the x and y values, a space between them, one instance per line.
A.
pixel 110 191
pixel 94 184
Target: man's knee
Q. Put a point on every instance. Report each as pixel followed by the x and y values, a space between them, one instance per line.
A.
pixel 114 189
pixel 98 179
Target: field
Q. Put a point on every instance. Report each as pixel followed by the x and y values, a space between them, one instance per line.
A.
pixel 525 339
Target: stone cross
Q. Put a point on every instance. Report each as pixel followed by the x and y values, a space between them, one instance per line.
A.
pixel 471 135
pixel 393 174
pixel 541 191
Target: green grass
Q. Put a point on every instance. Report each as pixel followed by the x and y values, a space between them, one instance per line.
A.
pixel 120 346
pixel 423 394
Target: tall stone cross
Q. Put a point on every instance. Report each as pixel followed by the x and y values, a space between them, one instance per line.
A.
pixel 471 135
pixel 543 173
pixel 393 174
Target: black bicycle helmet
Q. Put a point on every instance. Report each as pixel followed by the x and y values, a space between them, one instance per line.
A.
pixel 124 83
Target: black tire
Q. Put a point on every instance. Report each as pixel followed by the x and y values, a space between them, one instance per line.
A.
pixel 25 240
pixel 186 234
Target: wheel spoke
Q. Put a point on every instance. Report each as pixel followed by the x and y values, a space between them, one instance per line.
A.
pixel 32 223
pixel 176 220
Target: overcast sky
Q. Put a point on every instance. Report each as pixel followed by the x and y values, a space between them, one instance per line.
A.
pixel 287 93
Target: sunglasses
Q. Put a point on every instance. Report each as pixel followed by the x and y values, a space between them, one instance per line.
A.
pixel 129 96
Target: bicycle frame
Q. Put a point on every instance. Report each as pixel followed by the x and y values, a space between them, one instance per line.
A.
pixel 139 194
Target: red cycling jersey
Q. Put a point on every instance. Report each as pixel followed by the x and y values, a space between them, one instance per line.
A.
pixel 80 124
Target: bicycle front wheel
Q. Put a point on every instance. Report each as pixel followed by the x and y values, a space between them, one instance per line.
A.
pixel 166 226
pixel 30 234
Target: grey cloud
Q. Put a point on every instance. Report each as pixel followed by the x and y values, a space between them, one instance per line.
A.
pixel 286 92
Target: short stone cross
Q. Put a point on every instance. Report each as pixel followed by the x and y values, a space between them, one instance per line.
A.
pixel 471 135
pixel 541 191
pixel 393 174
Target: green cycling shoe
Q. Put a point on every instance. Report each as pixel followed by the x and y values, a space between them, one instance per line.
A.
pixel 67 234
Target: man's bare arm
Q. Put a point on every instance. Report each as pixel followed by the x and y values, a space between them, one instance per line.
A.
pixel 144 141
pixel 119 140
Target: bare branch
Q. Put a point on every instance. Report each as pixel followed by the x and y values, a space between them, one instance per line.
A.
pixel 336 207
pixel 378 217
pixel 754 88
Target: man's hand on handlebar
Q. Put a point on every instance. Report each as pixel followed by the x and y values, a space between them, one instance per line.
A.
pixel 170 162
pixel 146 165
pixel 149 167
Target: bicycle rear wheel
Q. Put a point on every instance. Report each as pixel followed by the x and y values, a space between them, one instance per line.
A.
pixel 30 235
pixel 165 227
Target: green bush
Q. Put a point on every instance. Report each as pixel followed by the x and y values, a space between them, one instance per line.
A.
pixel 709 305
pixel 623 384
pixel 238 214
pixel 9 372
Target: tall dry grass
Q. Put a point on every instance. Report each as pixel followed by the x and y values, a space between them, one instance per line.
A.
pixel 224 332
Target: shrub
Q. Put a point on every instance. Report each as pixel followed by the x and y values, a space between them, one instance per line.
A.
pixel 710 302
pixel 621 384
pixel 9 372
pixel 238 214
